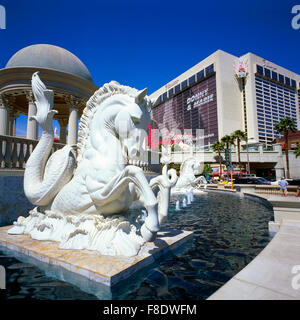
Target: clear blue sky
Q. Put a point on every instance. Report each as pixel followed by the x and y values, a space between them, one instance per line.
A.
pixel 145 43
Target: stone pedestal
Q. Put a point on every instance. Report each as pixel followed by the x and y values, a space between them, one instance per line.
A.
pixel 104 269
pixel 285 208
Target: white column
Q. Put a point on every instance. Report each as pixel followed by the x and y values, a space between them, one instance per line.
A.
pixel 32 125
pixel 3 117
pixel 12 113
pixel 73 121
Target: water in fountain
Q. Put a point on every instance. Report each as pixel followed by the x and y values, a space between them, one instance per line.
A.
pixel 192 195
pixel 188 197
pixel 219 250
pixel 177 206
pixel 184 202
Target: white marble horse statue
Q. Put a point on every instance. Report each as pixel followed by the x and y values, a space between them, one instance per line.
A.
pixel 83 201
pixel 187 179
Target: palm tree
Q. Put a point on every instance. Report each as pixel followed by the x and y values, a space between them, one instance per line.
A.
pixel 239 135
pixel 207 169
pixel 218 147
pixel 284 126
pixel 297 152
pixel 228 140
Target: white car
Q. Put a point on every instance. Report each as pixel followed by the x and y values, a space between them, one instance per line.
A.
pixel 276 183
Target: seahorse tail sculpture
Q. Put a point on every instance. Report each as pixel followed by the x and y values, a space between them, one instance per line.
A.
pixel 164 182
pixel 44 177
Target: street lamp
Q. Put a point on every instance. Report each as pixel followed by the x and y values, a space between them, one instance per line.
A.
pixel 248 162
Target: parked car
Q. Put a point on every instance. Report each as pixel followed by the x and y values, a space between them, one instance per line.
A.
pixel 294 182
pixel 291 182
pixel 251 180
pixel 271 179
pixel 264 180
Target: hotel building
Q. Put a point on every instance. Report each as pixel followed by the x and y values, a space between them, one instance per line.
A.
pixel 220 96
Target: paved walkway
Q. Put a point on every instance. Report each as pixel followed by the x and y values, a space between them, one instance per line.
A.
pixel 269 276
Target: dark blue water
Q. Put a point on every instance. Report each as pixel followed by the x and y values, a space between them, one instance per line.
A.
pixel 229 232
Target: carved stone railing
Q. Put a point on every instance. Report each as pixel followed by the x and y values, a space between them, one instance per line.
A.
pixel 274 190
pixel 14 152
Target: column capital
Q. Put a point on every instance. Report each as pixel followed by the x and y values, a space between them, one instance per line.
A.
pixel 74 102
pixel 9 100
pixel 30 96
pixel 62 122
pixel 2 102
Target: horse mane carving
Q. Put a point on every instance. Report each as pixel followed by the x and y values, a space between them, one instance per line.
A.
pixel 95 101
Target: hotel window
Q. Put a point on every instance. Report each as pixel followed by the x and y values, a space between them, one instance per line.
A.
pixel 274 75
pixel 287 81
pixel 177 88
pixel 200 75
pixel 267 73
pixel 281 78
pixel 184 84
pixel 164 96
pixel 171 92
pixel 260 69
pixel 191 79
pixel 209 70
pixel 293 83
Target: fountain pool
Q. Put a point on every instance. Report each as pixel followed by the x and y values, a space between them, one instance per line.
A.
pixel 229 231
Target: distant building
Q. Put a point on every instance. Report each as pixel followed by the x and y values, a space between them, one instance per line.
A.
pixel 293 140
pixel 224 93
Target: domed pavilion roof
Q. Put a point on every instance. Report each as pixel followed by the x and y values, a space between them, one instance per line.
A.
pixel 49 57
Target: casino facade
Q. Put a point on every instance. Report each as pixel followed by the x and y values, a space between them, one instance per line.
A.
pixel 224 93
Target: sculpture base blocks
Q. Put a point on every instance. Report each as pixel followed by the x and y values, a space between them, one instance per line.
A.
pixel 108 270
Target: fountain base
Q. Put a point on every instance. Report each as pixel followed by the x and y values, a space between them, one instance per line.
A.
pixel 108 270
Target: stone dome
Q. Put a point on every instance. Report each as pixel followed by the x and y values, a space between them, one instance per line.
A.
pixel 49 57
